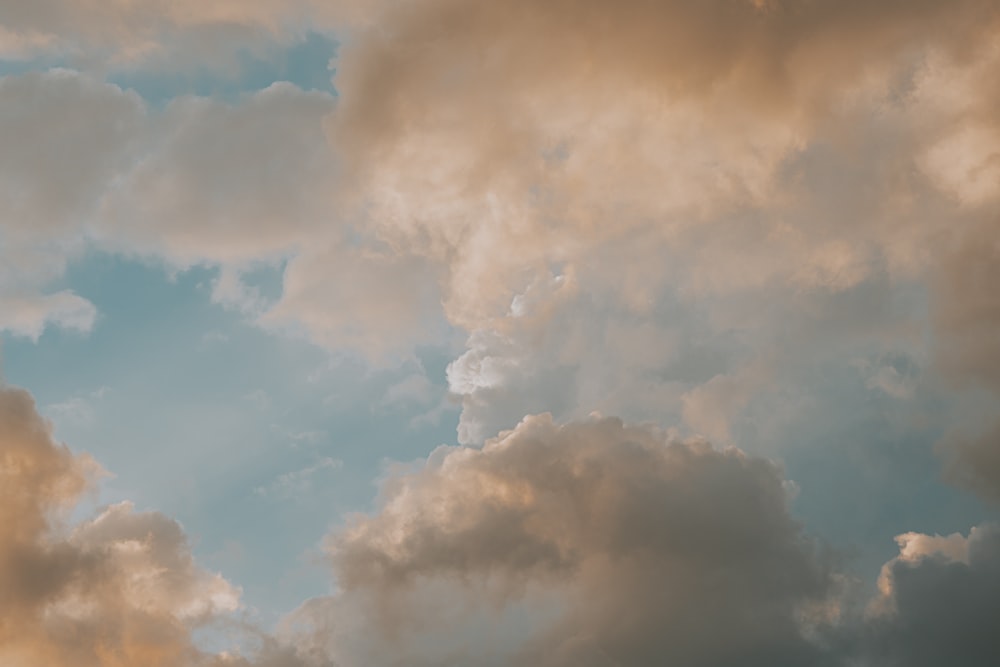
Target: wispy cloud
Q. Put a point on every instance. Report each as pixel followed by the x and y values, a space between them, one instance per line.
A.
pixel 297 483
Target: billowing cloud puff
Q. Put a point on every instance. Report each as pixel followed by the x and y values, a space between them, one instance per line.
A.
pixel 592 543
pixel 118 590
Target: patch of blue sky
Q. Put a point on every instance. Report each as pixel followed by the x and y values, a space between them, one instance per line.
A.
pixel 255 441
pixel 307 64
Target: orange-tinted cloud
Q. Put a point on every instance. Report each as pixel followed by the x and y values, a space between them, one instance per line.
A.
pixel 118 590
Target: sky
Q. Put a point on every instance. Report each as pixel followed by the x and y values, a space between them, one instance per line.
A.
pixel 537 333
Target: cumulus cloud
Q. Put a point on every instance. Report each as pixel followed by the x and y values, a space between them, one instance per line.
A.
pixel 118 590
pixel 599 543
pixel 591 543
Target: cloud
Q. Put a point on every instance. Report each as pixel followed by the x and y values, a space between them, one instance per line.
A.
pixel 67 137
pixel 224 183
pixel 973 460
pixel 613 545
pixel 538 130
pixel 569 130
pixel 591 543
pixel 358 297
pixel 628 210
pixel 118 590
pixel 967 309
pixel 29 316
pixel 298 482
pixel 967 319
pixel 939 599
pixel 201 182
pixel 734 157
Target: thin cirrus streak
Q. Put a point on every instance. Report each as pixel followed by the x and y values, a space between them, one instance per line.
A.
pixel 753 231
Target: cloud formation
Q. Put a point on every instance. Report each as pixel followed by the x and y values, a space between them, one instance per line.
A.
pixel 939 599
pixel 732 157
pixel 598 543
pixel 118 590
pixel 591 543
pixel 621 545
pixel 662 210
